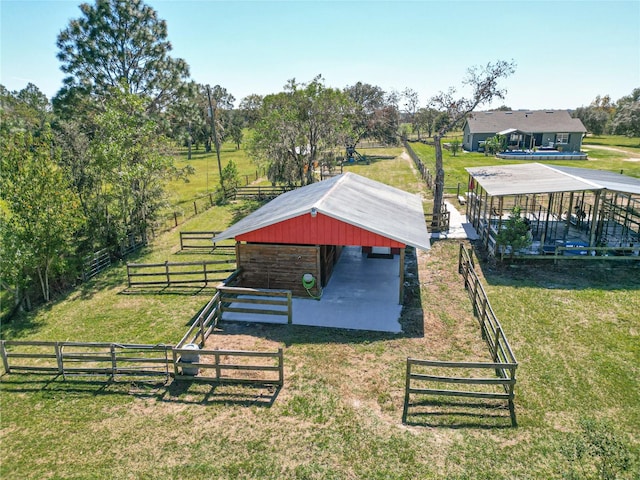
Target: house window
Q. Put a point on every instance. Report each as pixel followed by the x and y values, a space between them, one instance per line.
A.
pixel 562 138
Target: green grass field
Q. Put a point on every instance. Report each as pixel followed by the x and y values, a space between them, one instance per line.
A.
pixel 576 334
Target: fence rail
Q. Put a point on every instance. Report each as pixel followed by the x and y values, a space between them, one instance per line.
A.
pixel 178 273
pixel 204 324
pixel 77 358
pixel 139 360
pixel 267 368
pixel 503 361
pixel 203 241
pixel 95 263
pixel 438 222
pixel 261 192
pixel 440 376
pixel 256 301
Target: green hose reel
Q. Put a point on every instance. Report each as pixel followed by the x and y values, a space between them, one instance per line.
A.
pixel 308 281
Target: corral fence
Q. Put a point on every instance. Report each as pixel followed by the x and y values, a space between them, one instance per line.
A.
pixel 438 222
pixel 203 241
pixel 85 358
pixel 95 263
pixel 260 192
pixel 179 273
pixel 257 301
pixel 471 381
pixel 142 361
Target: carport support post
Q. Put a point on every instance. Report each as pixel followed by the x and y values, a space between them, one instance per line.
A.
pixel 594 219
pixel 401 299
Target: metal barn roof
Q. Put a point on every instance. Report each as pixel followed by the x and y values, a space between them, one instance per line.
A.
pixel 350 198
pixel 538 178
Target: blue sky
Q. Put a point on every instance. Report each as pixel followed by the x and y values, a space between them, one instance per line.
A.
pixel 566 52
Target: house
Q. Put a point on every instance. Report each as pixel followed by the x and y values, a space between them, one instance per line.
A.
pixel 525 130
pixel 301 234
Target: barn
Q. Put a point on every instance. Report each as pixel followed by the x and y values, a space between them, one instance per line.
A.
pixel 296 241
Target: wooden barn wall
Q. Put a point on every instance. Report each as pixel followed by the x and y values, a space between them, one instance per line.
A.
pixel 329 255
pixel 279 266
pixel 318 230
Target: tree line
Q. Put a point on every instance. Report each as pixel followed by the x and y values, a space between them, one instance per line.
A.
pixel 603 116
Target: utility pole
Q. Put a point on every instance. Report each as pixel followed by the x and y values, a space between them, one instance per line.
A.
pixel 212 116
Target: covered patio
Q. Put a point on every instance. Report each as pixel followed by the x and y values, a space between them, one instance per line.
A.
pixel 570 211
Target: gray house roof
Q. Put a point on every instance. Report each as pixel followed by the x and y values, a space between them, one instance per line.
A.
pixel 526 121
pixel 350 198
pixel 538 178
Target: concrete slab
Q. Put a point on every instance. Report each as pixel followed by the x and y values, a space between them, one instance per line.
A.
pixel 362 294
pixel 459 227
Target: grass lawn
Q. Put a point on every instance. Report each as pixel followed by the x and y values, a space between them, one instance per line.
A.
pixel 576 336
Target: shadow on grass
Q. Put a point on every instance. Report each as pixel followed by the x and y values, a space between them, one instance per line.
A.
pixel 185 290
pixel 574 275
pixel 203 393
pixel 458 415
pixel 174 391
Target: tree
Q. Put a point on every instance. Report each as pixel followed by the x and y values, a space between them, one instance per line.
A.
pixel 515 233
pixel 426 118
pixel 234 129
pixel 484 84
pixel 250 108
pixel 411 103
pixel 134 162
pixel 39 214
pixel 24 110
pixel 626 120
pixel 296 128
pixel 597 116
pixel 455 146
pixel 495 144
pixel 372 114
pixel 120 43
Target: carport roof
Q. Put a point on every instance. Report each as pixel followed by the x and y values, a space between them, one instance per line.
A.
pixel 349 198
pixel 538 178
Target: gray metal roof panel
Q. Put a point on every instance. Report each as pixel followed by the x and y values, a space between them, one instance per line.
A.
pixel 538 178
pixel 525 178
pixel 612 181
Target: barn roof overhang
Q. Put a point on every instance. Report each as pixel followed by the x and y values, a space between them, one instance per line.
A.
pixel 534 178
pixel 348 198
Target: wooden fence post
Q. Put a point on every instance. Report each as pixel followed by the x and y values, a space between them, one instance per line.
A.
pixel 114 362
pixel 201 320
pixel 175 218
pixel 5 359
pixel 166 271
pixel 59 358
pixel 204 271
pixel 195 207
pixel 406 391
pixel 217 363
pixel 281 367
pixel 483 318
pixel 175 362
pixel 128 276
pixel 289 308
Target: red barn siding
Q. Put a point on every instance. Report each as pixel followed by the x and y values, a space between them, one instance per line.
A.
pixel 318 230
